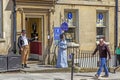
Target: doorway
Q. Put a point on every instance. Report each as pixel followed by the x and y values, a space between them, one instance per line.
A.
pixel 34 28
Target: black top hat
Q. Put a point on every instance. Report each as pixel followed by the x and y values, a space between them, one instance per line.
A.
pixel 23 31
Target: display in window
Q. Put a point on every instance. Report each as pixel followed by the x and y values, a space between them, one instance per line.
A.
pixel 70 35
pixel 34 30
pixel 70 20
pixel 71 17
pixel 100 19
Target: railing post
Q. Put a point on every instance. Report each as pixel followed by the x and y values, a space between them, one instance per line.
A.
pixel 116 25
pixel 72 67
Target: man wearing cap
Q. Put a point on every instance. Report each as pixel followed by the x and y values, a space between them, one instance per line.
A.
pixel 23 44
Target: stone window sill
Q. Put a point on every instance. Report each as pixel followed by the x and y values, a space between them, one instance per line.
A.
pixel 2 40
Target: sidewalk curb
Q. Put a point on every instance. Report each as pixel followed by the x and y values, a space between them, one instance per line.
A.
pixel 55 70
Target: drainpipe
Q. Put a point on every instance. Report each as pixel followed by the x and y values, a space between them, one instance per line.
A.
pixel 14 26
pixel 49 37
pixel 116 26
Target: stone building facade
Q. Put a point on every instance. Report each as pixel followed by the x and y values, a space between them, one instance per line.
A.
pixel 88 26
pixel 88 20
pixel 6 26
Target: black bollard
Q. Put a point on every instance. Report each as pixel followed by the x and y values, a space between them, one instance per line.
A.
pixel 72 67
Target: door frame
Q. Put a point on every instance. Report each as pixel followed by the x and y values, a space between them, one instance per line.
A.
pixel 39 57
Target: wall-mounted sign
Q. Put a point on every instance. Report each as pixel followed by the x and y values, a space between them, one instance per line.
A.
pixel 64 26
pixel 57 32
pixel 70 16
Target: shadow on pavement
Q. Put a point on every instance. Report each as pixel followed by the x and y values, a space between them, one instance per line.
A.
pixel 91 77
pixel 46 66
pixel 84 75
pixel 58 79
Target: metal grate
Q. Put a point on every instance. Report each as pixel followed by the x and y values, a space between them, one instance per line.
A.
pixel 3 63
pixel 14 62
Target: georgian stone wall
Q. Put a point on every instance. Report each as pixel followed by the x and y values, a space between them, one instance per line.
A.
pixel 5 42
pixel 87 20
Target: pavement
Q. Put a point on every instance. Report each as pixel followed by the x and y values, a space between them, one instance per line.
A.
pixel 34 73
pixel 55 76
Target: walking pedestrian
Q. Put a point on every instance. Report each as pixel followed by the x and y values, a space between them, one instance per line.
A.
pixel 23 44
pixel 103 51
pixel 62 53
pixel 117 52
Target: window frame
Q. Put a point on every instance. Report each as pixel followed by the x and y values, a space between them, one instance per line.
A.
pixel 104 26
pixel 73 28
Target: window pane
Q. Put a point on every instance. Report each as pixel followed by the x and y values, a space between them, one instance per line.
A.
pixel 70 35
pixel 101 19
pixel 100 33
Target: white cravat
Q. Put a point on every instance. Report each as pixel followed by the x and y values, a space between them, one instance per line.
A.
pixel 25 40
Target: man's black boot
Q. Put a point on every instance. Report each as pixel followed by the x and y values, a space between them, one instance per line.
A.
pixel 22 66
pixel 25 65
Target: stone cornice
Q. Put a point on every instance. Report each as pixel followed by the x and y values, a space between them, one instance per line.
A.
pixel 36 2
pixel 86 3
